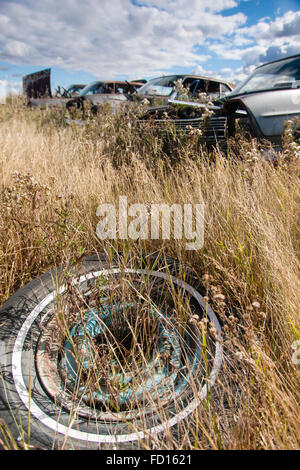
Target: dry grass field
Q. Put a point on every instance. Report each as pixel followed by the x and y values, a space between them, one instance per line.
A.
pixel 53 177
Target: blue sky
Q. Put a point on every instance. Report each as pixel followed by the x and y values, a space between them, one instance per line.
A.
pixel 131 39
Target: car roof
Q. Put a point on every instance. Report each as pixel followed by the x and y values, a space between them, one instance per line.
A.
pixel 124 82
pixel 278 60
pixel 201 77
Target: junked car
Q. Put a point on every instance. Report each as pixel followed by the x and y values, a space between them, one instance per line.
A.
pixel 268 98
pixel 71 90
pixel 261 105
pixel 101 92
pixel 37 88
pixel 164 88
pixel 37 84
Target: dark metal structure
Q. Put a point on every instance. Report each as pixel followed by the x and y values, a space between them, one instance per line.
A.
pixel 37 85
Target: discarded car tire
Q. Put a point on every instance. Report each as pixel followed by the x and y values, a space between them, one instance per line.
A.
pixel 88 353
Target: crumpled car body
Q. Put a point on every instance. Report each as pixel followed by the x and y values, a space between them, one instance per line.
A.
pixel 37 84
pixel 261 106
pixel 72 90
pixel 163 89
pixel 98 93
pixel 37 88
pixel 186 117
pixel 267 100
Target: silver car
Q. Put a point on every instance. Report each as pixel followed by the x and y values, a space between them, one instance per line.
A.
pixel 162 89
pixel 261 105
pixel 266 100
pixel 98 93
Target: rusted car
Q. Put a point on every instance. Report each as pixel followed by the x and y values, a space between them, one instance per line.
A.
pixel 260 106
pixel 98 93
pixel 37 88
pixel 71 90
pixel 37 84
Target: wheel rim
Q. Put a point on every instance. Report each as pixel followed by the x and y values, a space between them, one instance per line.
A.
pixel 93 325
pixel 123 379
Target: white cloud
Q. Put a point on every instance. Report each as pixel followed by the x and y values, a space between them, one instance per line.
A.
pixel 199 70
pixel 274 39
pixel 263 42
pixel 2 91
pixel 110 38
pixel 16 49
pixel 7 87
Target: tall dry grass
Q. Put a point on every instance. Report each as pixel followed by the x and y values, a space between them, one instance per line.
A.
pixel 54 176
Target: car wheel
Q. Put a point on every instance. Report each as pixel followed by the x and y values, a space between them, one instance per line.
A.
pixel 94 109
pixel 75 103
pixel 105 354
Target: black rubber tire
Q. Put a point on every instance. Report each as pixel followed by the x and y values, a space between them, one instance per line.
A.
pixel 23 399
pixel 75 103
pixel 94 109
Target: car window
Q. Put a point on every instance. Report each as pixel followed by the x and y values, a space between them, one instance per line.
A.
pixel 108 88
pixel 224 90
pixel 93 88
pixel 71 89
pixel 196 86
pixel 162 86
pixel 276 75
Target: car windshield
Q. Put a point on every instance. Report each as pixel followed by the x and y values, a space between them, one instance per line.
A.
pixel 162 86
pixel 277 75
pixel 74 88
pixel 93 88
